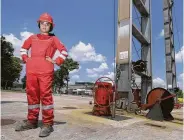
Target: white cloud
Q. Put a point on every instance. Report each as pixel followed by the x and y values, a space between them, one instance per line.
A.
pixel 113 65
pixel 161 33
pixel 101 68
pixel 180 85
pixel 158 82
pixel 180 81
pixel 17 43
pixel 75 70
pixel 89 71
pixel 57 53
pixel 109 75
pixel 14 40
pixel 95 75
pixel 179 55
pixel 181 76
pixel 75 77
pixel 71 82
pixel 84 53
pixel 22 73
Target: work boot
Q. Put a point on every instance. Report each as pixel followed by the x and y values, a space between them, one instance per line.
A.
pixel 46 130
pixel 25 125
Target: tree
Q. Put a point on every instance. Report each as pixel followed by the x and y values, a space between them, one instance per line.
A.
pixel 23 80
pixel 69 65
pixel 10 72
pixel 59 78
pixel 11 66
pixel 6 49
pixel 62 74
pixel 180 93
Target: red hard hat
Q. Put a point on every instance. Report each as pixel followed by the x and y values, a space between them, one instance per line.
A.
pixel 46 17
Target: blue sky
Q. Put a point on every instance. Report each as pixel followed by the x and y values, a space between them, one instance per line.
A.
pixel 86 25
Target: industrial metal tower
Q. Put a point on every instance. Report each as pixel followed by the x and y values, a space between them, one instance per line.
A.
pixel 127 29
pixel 169 45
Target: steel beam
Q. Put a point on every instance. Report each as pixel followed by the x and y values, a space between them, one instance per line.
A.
pixel 146 52
pixel 138 35
pixel 141 7
pixel 169 45
pixel 124 50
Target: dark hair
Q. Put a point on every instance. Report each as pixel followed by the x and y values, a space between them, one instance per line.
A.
pixel 51 27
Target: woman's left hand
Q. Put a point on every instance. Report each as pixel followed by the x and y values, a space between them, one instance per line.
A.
pixel 50 60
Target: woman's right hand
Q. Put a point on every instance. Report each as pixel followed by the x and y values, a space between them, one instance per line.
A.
pixel 27 59
pixel 50 60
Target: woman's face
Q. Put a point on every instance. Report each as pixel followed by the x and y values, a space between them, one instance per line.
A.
pixel 45 26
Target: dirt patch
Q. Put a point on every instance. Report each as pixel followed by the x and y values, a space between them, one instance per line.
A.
pixel 69 107
pixel 7 122
pixel 155 125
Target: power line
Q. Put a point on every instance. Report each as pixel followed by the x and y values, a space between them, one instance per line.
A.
pixel 136 49
pixel 177 32
pixel 137 17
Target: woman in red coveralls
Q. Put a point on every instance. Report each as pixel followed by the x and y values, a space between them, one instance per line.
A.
pixel 39 73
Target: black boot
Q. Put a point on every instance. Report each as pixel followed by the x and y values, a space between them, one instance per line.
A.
pixel 46 130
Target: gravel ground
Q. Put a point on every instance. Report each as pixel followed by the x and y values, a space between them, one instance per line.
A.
pixel 79 124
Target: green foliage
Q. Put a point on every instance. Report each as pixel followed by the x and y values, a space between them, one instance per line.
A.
pixel 10 65
pixel 59 76
pixel 23 80
pixel 62 74
pixel 180 94
pixel 6 49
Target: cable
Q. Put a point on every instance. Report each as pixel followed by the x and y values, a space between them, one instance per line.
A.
pixel 137 15
pixel 135 49
pixel 177 32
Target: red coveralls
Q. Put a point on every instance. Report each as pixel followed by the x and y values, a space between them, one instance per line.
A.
pixel 39 73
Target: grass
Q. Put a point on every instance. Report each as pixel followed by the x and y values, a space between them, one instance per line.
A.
pixel 180 100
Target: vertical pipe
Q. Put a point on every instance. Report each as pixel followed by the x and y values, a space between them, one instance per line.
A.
pixel 130 95
pixel 115 44
pixel 146 85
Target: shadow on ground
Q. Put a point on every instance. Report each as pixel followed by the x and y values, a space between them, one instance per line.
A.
pixel 117 117
pixel 11 121
pixel 7 122
pixel 55 123
pixel 6 102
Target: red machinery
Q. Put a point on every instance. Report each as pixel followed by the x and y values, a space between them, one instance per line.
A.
pixel 160 103
pixel 103 97
pixel 137 97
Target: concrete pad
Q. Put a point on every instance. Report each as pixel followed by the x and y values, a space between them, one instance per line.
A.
pixel 79 124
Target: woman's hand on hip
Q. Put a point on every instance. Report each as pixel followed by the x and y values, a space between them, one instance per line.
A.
pixel 50 60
